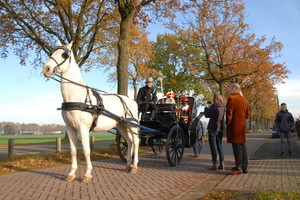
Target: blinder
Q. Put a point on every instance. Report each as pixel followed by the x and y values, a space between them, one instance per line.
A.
pixel 65 55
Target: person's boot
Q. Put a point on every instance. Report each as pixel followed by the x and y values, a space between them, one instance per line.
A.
pixel 152 115
pixel 221 166
pixel 282 154
pixel 214 167
pixel 290 153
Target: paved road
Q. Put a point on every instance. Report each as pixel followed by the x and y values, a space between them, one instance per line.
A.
pixel 155 178
pixel 43 148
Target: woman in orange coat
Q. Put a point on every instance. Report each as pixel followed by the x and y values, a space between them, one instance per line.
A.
pixel 236 114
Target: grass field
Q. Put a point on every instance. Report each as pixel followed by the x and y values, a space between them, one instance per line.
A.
pixel 38 139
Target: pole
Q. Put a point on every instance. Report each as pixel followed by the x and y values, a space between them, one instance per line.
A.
pixel 58 144
pixel 11 148
pixel 92 143
pixel 161 86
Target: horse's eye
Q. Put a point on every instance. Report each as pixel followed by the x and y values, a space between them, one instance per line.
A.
pixel 65 55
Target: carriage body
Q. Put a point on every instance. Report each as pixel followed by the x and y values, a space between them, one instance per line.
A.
pixel 172 131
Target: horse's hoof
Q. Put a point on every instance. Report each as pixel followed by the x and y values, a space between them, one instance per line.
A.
pixel 127 168
pixel 70 178
pixel 87 179
pixel 133 170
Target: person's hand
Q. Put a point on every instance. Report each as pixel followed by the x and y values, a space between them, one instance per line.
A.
pixel 139 103
pixel 151 102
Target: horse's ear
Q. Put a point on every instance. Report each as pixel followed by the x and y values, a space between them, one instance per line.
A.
pixel 59 43
pixel 70 45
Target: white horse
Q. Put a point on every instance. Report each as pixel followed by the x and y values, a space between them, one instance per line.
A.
pixel 90 118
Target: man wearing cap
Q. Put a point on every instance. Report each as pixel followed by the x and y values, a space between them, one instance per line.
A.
pixel 147 99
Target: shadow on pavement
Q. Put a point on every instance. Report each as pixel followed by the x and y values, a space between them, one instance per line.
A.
pixel 271 150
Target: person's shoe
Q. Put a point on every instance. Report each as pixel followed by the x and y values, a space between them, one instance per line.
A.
pixel 290 154
pixel 234 172
pixel 221 166
pixel 282 154
pixel 245 171
pixel 214 167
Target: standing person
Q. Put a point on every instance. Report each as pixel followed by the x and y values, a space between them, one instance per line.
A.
pixel 215 130
pixel 297 124
pixel 147 99
pixel 236 114
pixel 284 121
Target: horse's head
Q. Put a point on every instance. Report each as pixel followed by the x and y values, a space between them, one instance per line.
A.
pixel 59 60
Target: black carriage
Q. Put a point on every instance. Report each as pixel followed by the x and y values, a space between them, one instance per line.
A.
pixel 171 130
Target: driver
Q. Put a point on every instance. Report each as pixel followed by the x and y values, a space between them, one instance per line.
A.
pixel 147 99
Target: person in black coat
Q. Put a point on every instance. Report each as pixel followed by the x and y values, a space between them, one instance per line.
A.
pixel 147 99
pixel 215 130
pixel 285 121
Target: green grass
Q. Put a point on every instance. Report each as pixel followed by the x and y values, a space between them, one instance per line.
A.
pixel 258 195
pixel 39 139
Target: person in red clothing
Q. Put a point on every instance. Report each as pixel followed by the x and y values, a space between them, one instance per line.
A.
pixel 236 114
pixel 170 98
pixel 185 109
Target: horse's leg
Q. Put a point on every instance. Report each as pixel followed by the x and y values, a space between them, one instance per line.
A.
pixel 72 134
pixel 136 141
pixel 124 132
pixel 84 132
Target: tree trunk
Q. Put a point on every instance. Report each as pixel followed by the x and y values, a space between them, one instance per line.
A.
pixel 123 59
pixel 135 88
pixel 221 87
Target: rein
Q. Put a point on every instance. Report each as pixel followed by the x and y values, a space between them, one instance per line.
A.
pixel 75 83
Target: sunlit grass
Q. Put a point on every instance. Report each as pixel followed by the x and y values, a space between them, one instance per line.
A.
pixel 259 195
pixel 53 159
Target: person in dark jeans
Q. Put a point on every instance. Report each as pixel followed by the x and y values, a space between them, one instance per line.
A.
pixel 284 121
pixel 147 99
pixel 215 130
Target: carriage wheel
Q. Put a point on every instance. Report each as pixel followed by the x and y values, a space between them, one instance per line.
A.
pixel 157 146
pixel 199 140
pixel 122 146
pixel 175 145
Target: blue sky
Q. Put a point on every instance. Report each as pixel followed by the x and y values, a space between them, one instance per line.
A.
pixel 27 97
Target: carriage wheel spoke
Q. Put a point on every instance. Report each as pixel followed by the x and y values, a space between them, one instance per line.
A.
pixel 175 145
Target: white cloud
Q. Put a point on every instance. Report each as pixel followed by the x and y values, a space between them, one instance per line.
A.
pixel 41 109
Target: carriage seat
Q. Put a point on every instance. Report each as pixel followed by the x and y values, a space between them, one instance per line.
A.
pixel 165 107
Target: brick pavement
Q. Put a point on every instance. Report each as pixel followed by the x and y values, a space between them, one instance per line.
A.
pixel 155 179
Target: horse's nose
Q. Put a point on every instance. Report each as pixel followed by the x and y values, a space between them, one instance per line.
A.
pixel 47 71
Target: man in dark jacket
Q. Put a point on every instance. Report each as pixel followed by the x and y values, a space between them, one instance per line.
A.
pixel 147 99
pixel 236 114
pixel 284 121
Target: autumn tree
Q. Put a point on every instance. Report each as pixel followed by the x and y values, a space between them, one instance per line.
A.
pixel 34 26
pixel 10 128
pixel 140 52
pixel 229 51
pixel 141 57
pixel 174 59
pixel 131 11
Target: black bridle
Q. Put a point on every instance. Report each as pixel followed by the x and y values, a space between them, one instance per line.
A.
pixel 65 55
